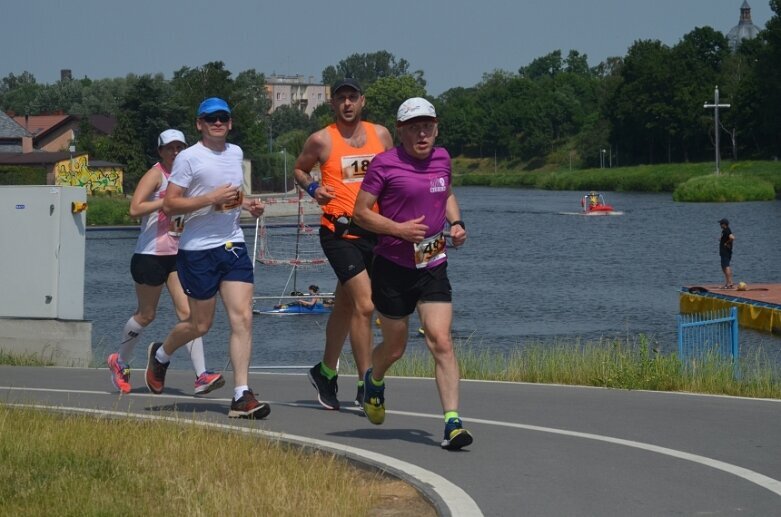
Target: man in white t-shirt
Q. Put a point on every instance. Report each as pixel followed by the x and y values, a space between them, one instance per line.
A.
pixel 205 184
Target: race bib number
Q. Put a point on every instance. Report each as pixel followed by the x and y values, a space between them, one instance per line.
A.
pixel 176 226
pixel 354 167
pixel 233 204
pixel 429 250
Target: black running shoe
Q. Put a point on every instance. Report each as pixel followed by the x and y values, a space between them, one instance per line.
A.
pixel 155 370
pixel 249 407
pixel 326 390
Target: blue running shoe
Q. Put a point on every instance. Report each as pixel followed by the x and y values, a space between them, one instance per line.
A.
pixel 373 399
pixel 456 436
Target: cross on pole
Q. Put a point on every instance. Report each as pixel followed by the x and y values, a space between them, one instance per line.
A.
pixel 715 106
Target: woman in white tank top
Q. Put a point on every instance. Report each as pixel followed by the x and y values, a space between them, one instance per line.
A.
pixel 154 265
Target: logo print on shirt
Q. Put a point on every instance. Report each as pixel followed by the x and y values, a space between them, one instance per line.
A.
pixel 437 185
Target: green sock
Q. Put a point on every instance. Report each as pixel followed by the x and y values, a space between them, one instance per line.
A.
pixel 329 373
pixel 360 384
pixel 377 383
pixel 450 414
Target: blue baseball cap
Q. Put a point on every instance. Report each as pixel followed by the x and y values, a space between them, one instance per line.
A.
pixel 212 105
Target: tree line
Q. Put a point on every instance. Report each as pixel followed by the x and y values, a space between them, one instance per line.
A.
pixel 556 111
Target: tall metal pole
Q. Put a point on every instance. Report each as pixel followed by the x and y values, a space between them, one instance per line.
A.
pixel 284 152
pixel 715 106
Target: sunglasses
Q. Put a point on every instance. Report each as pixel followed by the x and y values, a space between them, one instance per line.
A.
pixel 211 119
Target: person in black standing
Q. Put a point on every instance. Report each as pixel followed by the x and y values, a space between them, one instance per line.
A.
pixel 725 252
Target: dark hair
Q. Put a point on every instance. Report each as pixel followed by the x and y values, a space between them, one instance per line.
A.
pixel 314 288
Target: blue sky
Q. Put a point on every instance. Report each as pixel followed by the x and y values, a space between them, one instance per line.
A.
pixel 454 42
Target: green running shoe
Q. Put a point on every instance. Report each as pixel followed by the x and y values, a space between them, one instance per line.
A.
pixel 456 436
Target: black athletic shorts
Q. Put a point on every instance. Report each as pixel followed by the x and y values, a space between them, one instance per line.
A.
pixel 396 290
pixel 725 260
pixel 152 269
pixel 347 257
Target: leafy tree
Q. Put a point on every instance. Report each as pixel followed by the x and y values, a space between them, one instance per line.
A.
pixel 18 93
pixel 764 88
pixel 193 85
pixel 146 112
pixel 696 64
pixel 385 95
pixel 459 121
pixel 548 65
pixel 640 110
pixel 369 68
pixel 249 108
pixel 289 118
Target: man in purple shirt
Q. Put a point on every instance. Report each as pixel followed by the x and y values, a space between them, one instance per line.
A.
pixel 411 185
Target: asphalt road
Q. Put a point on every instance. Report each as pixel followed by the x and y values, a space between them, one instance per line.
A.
pixel 539 449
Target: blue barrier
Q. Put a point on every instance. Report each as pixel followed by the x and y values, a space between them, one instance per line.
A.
pixel 714 332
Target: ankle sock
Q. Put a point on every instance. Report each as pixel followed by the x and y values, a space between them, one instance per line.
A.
pixel 450 414
pixel 238 392
pixel 377 383
pixel 327 372
pixel 162 357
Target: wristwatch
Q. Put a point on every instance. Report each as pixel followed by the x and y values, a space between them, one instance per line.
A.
pixel 459 223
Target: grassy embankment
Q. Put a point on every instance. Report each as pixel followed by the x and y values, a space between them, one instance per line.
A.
pixel 81 465
pixel 739 181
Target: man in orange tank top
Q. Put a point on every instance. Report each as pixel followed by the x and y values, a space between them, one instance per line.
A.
pixel 343 150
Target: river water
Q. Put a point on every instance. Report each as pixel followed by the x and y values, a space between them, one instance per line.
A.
pixel 528 274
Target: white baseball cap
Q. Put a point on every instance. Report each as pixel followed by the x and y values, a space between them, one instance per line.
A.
pixel 170 135
pixel 415 107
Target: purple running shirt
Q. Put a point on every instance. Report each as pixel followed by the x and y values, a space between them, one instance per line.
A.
pixel 407 188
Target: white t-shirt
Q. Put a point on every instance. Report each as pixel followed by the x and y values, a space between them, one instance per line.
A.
pixel 200 170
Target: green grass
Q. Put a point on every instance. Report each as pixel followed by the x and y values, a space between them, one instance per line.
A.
pixel 724 187
pixel 9 359
pixel 749 180
pixel 108 211
pixel 620 364
pixel 61 464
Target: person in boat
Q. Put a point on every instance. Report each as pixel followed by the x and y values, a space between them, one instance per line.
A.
pixel 153 266
pixel 344 151
pixel 309 300
pixel 411 184
pixel 205 184
pixel 593 199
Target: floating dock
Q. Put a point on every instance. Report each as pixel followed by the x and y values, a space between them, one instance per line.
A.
pixel 759 305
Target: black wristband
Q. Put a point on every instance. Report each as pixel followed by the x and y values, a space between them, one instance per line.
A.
pixel 459 223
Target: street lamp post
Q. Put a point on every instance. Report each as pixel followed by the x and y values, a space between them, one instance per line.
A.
pixel 715 106
pixel 284 154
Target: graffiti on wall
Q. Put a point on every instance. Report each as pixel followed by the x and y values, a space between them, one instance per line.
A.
pixel 76 172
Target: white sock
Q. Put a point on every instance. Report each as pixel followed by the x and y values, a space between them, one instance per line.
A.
pixel 130 336
pixel 195 347
pixel 162 356
pixel 238 392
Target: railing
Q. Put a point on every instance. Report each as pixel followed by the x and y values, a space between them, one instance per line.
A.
pixel 714 332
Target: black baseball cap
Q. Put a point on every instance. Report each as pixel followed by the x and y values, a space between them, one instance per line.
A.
pixel 724 221
pixel 346 82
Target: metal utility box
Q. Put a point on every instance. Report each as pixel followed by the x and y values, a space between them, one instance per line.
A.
pixel 42 231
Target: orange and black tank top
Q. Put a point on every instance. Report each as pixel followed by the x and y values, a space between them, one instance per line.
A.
pixel 344 170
